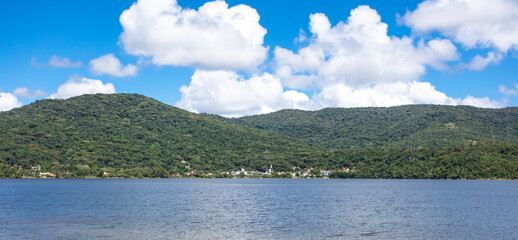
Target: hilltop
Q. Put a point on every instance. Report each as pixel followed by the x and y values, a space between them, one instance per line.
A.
pixel 130 131
pixel 130 135
pixel 401 126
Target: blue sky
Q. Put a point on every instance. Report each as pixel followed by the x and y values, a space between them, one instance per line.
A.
pixel 287 59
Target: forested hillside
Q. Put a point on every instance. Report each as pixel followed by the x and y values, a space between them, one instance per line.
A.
pixel 403 126
pixel 132 131
pixel 482 160
pixel 130 135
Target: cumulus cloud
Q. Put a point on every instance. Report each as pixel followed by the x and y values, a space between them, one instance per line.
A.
pixel 380 95
pixel 24 92
pixel 473 23
pixel 479 63
pixel 352 64
pixel 213 37
pixel 484 102
pixel 110 65
pixel 394 94
pixel 509 91
pixel 8 101
pixel 227 93
pixel 358 53
pixel 356 64
pixel 297 100
pixel 56 61
pixel 76 86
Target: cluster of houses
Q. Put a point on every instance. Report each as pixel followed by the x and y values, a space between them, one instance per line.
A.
pixel 296 172
pixel 35 172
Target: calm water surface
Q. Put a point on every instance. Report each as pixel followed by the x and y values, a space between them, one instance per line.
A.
pixel 257 209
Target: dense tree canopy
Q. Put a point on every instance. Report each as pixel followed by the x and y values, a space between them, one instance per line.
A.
pixel 135 136
pixel 403 126
pixel 129 131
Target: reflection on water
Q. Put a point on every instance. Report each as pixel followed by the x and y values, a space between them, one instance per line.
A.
pixel 257 209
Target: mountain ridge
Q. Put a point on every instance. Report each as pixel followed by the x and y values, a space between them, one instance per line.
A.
pixel 131 135
pixel 399 126
pixel 129 130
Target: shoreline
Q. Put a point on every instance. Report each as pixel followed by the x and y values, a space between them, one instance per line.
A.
pixel 461 179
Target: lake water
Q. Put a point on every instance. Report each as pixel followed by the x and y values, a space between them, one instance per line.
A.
pixel 257 209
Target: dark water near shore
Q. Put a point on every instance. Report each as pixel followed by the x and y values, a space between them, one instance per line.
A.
pixel 257 209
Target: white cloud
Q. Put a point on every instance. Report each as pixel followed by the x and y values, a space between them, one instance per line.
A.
pixel 381 95
pixel 356 64
pixel 8 101
pixel 358 53
pixel 76 86
pixel 62 62
pixel 227 93
pixel 484 102
pixel 479 63
pixel 110 65
pixel 24 92
pixel 56 61
pixel 473 23
pixel 508 91
pixel 297 100
pixel 214 37
pixel 302 37
pixel 394 94
pixel 352 64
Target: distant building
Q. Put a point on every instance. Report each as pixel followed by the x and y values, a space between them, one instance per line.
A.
pixel 47 174
pixel 324 173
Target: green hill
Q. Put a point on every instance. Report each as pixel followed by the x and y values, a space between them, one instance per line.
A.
pixel 129 131
pixel 130 135
pixel 403 126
